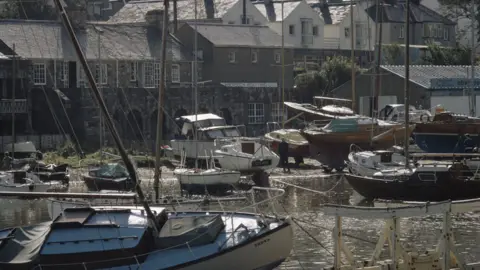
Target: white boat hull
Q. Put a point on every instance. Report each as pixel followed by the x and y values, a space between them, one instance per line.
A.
pixel 26 187
pixel 247 163
pixel 207 177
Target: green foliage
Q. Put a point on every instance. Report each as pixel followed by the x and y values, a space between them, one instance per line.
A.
pixel 437 55
pixel 28 10
pixel 392 53
pixel 334 72
pixel 462 9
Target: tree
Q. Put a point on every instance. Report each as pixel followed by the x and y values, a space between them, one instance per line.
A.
pixel 28 9
pixel 392 53
pixel 437 55
pixel 334 72
pixel 462 9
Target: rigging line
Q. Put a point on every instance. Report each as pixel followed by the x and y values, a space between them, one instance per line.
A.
pixel 57 121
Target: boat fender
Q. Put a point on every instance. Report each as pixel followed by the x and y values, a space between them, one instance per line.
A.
pixel 424 118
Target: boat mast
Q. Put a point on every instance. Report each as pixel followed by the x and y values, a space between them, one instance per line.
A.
pixel 407 83
pixel 472 59
pixel 195 82
pixel 103 107
pixel 352 41
pixel 161 91
pixel 14 76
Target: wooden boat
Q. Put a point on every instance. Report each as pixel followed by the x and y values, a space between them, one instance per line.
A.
pixel 330 144
pixel 445 133
pixel 324 108
pixel 298 146
pixel 111 176
pixel 434 182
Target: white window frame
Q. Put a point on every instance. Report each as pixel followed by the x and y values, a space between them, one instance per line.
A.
pixel 148 75
pixel 279 112
pixel 64 73
pixel 175 73
pixel 133 70
pixel 256 113
pixel 232 57
pixel 254 56
pixel 445 33
pixel 38 77
pixel 101 74
pixel 402 32
pixel 81 77
pixel 277 57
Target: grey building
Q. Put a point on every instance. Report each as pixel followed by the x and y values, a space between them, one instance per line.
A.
pixel 430 86
pixel 427 26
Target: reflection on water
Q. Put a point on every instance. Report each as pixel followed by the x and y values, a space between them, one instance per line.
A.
pixel 304 206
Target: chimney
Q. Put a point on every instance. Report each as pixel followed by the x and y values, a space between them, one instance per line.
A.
pixel 272 17
pixel 175 17
pixel 77 11
pixel 327 17
pixel 209 8
pixel 154 17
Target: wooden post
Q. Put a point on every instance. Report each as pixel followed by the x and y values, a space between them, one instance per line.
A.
pixel 337 238
pixel 446 241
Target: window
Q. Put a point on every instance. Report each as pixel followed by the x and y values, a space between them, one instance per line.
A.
pixel 133 67
pixel 101 74
pixel 148 75
pixel 255 113
pixel 199 72
pixel 64 73
pixel 277 57
pixel 231 57
pixel 175 73
pixel 81 82
pixel 279 112
pixel 315 30
pixel 254 56
pixel 445 33
pixel 307 31
pixel 39 74
pixel 402 31
pixel 291 29
pixel 347 32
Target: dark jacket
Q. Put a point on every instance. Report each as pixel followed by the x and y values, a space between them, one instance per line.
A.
pixel 468 143
pixel 283 149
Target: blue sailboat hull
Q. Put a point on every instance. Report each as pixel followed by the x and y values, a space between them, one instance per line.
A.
pixel 442 143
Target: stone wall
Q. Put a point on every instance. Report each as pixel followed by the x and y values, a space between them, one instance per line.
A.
pixel 134 110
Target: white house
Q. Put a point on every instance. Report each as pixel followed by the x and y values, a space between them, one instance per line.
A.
pixel 302 26
pixel 235 14
pixel 337 33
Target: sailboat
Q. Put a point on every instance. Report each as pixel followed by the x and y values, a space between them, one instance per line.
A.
pixel 298 147
pixel 147 237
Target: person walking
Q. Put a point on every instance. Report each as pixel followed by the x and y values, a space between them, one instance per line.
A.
pixel 283 153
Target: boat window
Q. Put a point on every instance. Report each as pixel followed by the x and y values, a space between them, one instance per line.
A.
pixel 232 132
pixel 214 134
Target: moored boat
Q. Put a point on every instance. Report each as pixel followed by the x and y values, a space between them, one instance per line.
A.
pixel 110 176
pixel 324 108
pixel 330 144
pixel 298 147
pixel 446 133
pixel 214 181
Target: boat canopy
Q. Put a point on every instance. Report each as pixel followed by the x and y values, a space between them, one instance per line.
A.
pixel 343 125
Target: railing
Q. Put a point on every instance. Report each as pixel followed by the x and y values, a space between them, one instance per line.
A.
pixel 331 43
pixel 6 106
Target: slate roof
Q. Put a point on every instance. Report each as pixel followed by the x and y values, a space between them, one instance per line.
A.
pixel 230 35
pixel 418 14
pixel 49 40
pixel 288 7
pixel 422 75
pixel 338 11
pixel 134 11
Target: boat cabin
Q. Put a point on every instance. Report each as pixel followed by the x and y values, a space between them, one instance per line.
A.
pixel 209 127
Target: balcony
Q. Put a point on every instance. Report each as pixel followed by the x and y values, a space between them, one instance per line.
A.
pixel 19 106
pixel 331 43
pixel 307 40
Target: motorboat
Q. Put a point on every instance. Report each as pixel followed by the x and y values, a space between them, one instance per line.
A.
pixel 396 113
pixel 110 176
pixel 367 163
pixel 425 182
pixel 330 144
pixel 446 133
pixel 23 181
pixel 246 155
pixel 298 147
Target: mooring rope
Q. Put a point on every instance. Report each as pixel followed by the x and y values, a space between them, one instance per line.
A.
pixel 324 193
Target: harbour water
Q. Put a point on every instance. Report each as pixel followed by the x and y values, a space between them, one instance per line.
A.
pixel 304 207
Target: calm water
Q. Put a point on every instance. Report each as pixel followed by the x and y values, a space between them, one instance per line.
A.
pixel 417 233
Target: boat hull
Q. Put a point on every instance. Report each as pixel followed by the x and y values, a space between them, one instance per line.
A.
pixel 443 142
pixel 294 150
pixel 214 182
pixel 446 188
pixel 97 183
pixel 247 164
